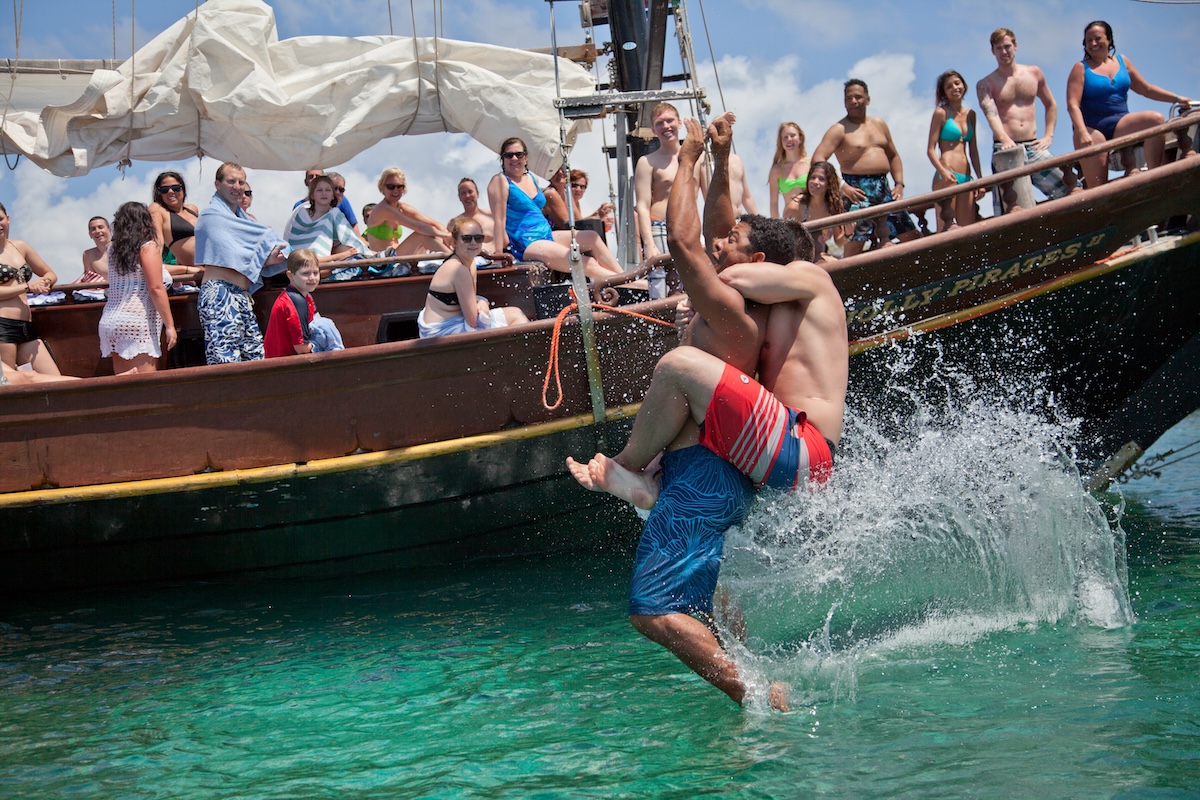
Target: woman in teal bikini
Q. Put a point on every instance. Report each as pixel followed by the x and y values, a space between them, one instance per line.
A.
pixel 789 170
pixel 952 131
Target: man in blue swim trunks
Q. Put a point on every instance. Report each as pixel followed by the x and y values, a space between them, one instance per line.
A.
pixel 866 154
pixel 701 494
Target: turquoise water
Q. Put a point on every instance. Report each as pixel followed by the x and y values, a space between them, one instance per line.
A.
pixel 954 617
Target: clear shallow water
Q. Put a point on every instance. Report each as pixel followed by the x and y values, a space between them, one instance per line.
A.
pixel 947 633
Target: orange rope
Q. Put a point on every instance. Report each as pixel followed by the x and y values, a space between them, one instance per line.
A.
pixel 552 364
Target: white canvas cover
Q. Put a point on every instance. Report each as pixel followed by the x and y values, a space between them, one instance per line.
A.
pixel 220 83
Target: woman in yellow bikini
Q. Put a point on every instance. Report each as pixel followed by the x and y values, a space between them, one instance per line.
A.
pixel 385 225
pixel 789 170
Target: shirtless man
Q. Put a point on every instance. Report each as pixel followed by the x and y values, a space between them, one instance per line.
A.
pixel 1007 96
pixel 866 153
pixel 653 178
pixel 679 555
pixel 95 259
pixel 739 187
pixel 468 195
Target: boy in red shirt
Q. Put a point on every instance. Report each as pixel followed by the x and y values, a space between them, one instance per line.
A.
pixel 288 331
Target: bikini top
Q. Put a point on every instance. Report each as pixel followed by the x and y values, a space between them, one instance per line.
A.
pixel 449 298
pixel 383 232
pixel 22 274
pixel 952 133
pixel 180 228
pixel 788 185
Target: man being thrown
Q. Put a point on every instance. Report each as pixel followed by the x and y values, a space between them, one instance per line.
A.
pixel 804 356
pixel 866 153
pixel 1008 98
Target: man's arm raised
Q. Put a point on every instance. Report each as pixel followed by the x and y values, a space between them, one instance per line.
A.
pixel 722 307
pixel 719 213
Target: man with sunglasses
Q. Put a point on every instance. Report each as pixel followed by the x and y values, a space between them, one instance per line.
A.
pixel 339 189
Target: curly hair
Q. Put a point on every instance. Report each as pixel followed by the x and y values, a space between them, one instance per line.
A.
pixel 132 228
pixel 774 238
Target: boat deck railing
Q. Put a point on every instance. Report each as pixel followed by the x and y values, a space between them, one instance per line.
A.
pixel 1182 126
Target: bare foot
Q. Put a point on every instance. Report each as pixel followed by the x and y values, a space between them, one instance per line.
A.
pixel 609 476
pixel 580 473
pixel 777 696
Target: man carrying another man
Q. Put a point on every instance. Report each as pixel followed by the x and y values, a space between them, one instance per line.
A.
pixel 705 410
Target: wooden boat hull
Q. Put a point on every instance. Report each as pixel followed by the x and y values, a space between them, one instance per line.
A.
pixel 417 451
pixel 499 494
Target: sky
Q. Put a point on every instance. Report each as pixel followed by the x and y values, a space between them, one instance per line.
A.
pixel 774 60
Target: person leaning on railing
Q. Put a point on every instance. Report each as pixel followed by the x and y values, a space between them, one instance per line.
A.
pixel 1097 100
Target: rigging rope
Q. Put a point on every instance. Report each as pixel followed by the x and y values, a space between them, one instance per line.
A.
pixel 412 10
pixel 552 363
pixel 18 20
pixel 1155 464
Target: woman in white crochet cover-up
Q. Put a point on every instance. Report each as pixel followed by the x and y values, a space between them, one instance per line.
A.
pixel 137 307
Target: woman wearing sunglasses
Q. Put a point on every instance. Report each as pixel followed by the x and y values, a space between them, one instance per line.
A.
pixel 516 201
pixel 175 222
pixel 385 225
pixel 452 306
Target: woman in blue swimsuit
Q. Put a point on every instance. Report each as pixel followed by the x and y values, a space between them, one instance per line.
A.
pixel 952 131
pixel 1097 92
pixel 517 200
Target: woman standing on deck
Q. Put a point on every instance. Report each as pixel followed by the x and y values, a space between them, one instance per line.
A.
pixel 385 226
pixel 516 201
pixel 175 222
pixel 22 271
pixel 137 306
pixel 789 170
pixel 821 197
pixel 319 226
pixel 1097 100
pixel 952 130
pixel 452 305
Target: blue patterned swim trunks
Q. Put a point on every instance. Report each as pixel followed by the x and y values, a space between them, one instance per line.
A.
pixel 679 555
pixel 231 332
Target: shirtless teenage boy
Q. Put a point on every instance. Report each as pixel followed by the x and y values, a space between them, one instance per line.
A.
pixel 1008 98
pixel 653 178
pixel 866 153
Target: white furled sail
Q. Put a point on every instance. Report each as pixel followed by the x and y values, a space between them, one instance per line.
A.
pixel 220 83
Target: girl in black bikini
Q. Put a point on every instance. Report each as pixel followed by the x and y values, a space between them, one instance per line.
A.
pixel 175 222
pixel 22 271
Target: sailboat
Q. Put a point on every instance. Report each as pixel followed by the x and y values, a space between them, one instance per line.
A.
pixel 442 450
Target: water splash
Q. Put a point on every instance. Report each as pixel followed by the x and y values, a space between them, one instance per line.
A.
pixel 955 511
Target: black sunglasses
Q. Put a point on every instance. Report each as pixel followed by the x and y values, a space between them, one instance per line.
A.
pixel 393 186
pixel 514 154
pixel 171 187
pixel 471 237
pixel 248 193
pixel 340 189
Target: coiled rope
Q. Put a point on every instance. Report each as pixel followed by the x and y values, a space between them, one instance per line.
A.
pixel 552 364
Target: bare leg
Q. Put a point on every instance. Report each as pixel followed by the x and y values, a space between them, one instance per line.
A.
pixel 514 315
pixel 696 646
pixel 140 363
pixel 683 385
pixel 37 355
